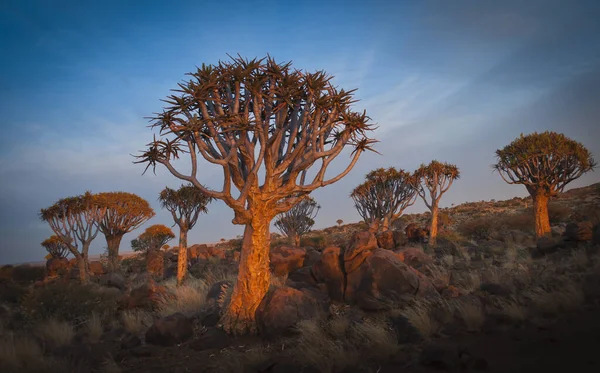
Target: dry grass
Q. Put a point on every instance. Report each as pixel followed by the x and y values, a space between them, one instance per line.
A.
pixel 188 299
pixel 512 310
pixel 420 315
pixel 110 366
pixel 135 321
pixel 94 327
pixel 471 314
pixel 278 281
pixel 469 282
pixel 55 333
pixel 579 259
pixel 439 275
pixel 316 348
pixel 567 297
pixel 23 354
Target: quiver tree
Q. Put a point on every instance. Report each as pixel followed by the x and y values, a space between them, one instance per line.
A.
pixel 124 213
pixel 545 163
pixel 247 116
pixel 185 205
pixel 339 222
pixel 384 196
pixel 75 220
pixel 298 220
pixel 153 238
pixel 434 179
pixel 55 247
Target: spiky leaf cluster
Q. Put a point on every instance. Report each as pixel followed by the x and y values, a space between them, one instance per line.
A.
pixel 384 195
pixel 246 115
pixel 153 238
pixel 543 162
pixel 299 219
pixel 55 247
pixel 185 204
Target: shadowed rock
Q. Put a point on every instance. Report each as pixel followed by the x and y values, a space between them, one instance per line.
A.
pixel 170 330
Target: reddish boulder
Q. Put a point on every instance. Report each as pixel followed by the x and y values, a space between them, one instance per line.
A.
pixel 205 252
pixel 193 252
pixel 360 248
pixel 580 232
pixel 385 240
pixel 312 256
pixel 414 233
pixel 149 295
pixel 170 330
pixel 282 308
pixel 96 268
pixel 328 270
pixel 414 257
pixel 285 259
pixel 382 280
pixel 57 266
pixel 155 263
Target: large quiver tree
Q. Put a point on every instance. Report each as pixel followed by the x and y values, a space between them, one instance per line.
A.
pixel 298 220
pixel 434 180
pixel 247 116
pixel 185 205
pixel 124 213
pixel 75 220
pixel 545 163
pixel 384 196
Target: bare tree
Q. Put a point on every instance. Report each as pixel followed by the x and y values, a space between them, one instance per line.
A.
pixel 247 116
pixel 437 178
pixel 153 238
pixel 55 247
pixel 298 220
pixel 124 213
pixel 185 205
pixel 384 196
pixel 75 220
pixel 545 163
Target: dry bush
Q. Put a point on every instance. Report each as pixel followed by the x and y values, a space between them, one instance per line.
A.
pixel 22 354
pixel 552 301
pixel 469 282
pixel 94 327
pixel 27 274
pixel 558 213
pixel 420 314
pixel 188 299
pixel 478 229
pixel 211 273
pixel 522 221
pixel 136 321
pixel 318 241
pixel 11 292
pixel 55 333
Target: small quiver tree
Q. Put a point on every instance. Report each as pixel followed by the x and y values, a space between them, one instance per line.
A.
pixel 384 196
pixel 75 220
pixel 55 247
pixel 124 213
pixel 153 238
pixel 545 163
pixel 434 180
pixel 247 116
pixel 298 220
pixel 185 205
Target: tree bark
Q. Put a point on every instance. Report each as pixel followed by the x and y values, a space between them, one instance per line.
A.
pixel 385 224
pixel 253 278
pixel 433 229
pixel 296 239
pixel 83 268
pixel 182 258
pixel 113 243
pixel 540 209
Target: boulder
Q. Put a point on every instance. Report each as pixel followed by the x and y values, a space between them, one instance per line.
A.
pixel 57 266
pixel 212 339
pixel 96 268
pixel 303 275
pixel 205 252
pixel 147 296
pixel 312 256
pixel 547 245
pixel 170 330
pixel 382 280
pixel 399 238
pixel 360 248
pixel 579 232
pixel 285 259
pixel 414 233
pixel 385 240
pixel 155 263
pixel 414 257
pixel 282 308
pixel 328 270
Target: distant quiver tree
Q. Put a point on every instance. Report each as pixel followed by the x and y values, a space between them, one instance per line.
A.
pixel 55 247
pixel 545 163
pixel 185 205
pixel 249 116
pixel 153 238
pixel 298 220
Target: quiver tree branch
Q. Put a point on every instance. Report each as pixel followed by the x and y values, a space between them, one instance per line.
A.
pixel 75 220
pixel 298 220
pixel 434 180
pixel 250 115
pixel 384 196
pixel 544 163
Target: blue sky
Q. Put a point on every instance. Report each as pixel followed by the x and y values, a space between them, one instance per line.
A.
pixel 447 80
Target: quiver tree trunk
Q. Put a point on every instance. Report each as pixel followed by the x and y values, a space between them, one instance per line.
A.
pixel 540 209
pixel 254 276
pixel 113 243
pixel 433 229
pixel 83 268
pixel 385 224
pixel 182 257
pixel 296 239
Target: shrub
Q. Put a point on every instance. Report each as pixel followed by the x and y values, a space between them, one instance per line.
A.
pixel 479 229
pixel 188 299
pixel 27 274
pixel 523 221
pixel 54 332
pixel 558 213
pixel 317 241
pixel 11 292
pixel 23 354
pixel 70 302
pixel 136 321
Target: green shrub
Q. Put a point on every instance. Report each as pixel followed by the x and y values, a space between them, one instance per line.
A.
pixel 70 302
pixel 27 274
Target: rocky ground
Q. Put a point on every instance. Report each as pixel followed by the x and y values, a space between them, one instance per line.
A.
pixel 486 297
